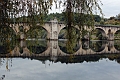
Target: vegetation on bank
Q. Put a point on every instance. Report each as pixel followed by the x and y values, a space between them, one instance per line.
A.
pixel 111 20
pixel 61 17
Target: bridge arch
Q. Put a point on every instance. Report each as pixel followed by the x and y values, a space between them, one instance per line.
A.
pixel 37 32
pixel 117 35
pixel 62 33
pixel 99 33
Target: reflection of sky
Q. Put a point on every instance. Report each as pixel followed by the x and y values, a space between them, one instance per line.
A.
pixel 25 69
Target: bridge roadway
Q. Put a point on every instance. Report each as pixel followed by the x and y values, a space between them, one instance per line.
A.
pixel 53 50
pixel 54 27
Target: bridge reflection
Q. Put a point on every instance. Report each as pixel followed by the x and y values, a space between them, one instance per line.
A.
pixel 57 50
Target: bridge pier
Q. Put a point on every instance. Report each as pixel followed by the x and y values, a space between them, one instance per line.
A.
pixel 54 50
pixel 54 30
pixel 110 36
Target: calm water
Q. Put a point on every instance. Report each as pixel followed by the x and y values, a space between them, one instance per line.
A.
pixel 49 60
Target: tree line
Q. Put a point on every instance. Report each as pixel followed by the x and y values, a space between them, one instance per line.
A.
pixel 113 20
pixel 60 17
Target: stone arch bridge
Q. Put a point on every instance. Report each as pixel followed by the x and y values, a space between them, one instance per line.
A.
pixel 54 27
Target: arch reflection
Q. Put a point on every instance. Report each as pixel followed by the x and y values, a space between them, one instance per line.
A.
pixel 117 45
pixel 97 46
pixel 66 48
pixel 36 46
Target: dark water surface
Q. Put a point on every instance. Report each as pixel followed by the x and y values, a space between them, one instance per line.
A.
pixel 87 63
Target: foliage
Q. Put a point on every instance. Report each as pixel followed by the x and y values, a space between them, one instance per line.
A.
pixel 61 17
pixel 6 33
pixel 31 8
pixel 112 22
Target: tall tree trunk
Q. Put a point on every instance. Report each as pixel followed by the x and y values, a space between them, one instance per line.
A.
pixel 69 18
pixel 3 11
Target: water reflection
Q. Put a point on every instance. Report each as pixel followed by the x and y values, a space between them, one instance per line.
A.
pixel 57 50
pixel 6 46
pixel 36 46
pixel 97 46
pixel 64 47
pixel 117 45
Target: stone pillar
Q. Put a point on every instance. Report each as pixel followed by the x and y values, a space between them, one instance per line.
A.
pixel 110 45
pixel 22 35
pixel 111 36
pixel 54 30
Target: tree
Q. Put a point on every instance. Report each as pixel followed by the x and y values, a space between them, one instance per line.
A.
pixel 118 17
pixel 3 11
pixel 84 9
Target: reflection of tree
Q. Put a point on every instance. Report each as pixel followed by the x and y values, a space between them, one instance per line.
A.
pixel 6 46
pixel 87 58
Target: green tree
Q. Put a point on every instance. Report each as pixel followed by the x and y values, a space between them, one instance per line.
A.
pixel 3 11
pixel 118 16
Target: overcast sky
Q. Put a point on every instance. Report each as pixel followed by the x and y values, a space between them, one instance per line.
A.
pixel 109 8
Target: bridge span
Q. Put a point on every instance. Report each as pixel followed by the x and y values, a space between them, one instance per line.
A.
pixel 54 27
